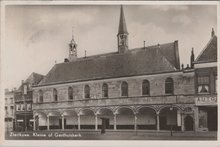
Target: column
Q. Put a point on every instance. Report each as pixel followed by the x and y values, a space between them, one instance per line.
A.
pixel 48 122
pixel 78 121
pixel 158 121
pixel 96 122
pixel 34 123
pixel 135 122
pixel 196 120
pixel 63 127
pixel 182 124
pixel 115 121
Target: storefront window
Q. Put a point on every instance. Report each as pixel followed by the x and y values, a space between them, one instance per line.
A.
pixel 203 83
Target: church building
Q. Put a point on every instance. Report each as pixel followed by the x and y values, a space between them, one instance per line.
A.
pixel 131 89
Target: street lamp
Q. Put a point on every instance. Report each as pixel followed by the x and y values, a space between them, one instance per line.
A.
pixel 171 126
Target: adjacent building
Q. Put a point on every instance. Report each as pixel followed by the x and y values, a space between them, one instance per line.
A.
pixel 206 87
pixel 9 110
pixel 23 103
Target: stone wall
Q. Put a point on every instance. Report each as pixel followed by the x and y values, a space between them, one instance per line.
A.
pixel 183 85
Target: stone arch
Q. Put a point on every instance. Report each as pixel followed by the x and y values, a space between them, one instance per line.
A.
pixel 146 118
pixel 54 118
pixel 105 118
pixel 169 106
pixel 125 107
pixel 125 117
pixel 83 111
pixel 54 113
pixel 40 118
pixel 99 110
pixel 87 118
pixel 69 113
pixel 70 119
pixel 168 116
pixel 150 107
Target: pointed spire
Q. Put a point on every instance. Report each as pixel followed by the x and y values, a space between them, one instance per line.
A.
pixel 192 59
pixel 213 32
pixel 122 23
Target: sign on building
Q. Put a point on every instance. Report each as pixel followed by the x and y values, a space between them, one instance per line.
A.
pixel 209 100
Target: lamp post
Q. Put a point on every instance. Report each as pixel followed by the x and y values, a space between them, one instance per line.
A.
pixel 171 126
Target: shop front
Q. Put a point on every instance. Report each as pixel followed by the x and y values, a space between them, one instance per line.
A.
pixel 207 117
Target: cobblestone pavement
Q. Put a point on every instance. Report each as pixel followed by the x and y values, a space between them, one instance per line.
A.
pixel 110 135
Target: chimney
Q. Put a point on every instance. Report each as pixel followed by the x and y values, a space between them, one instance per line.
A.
pixel 192 58
pixel 66 60
pixel 213 33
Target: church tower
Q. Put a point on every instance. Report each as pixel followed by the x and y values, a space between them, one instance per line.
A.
pixel 72 50
pixel 122 34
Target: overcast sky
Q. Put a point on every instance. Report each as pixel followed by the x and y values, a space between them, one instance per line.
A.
pixel 37 36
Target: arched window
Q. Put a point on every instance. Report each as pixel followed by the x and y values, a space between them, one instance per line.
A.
pixel 169 88
pixel 87 91
pixel 41 98
pixel 124 89
pixel 55 97
pixel 105 90
pixel 70 93
pixel 145 87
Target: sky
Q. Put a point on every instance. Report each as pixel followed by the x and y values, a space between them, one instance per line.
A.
pixel 37 36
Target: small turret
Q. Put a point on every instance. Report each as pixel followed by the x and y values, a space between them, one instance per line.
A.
pixel 72 49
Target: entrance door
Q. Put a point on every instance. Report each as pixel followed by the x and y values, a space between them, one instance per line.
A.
pixel 188 123
pixel 212 118
pixel 107 123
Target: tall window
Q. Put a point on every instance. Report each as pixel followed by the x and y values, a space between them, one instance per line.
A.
pixel 55 97
pixel 124 89
pixel 70 93
pixel 41 98
pixel 145 87
pixel 105 90
pixel 87 91
pixel 169 87
pixel 203 83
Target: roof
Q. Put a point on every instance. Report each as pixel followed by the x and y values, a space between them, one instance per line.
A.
pixel 209 53
pixel 139 61
pixel 122 29
pixel 33 79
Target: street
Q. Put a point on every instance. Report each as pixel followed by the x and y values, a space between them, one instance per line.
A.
pixel 110 135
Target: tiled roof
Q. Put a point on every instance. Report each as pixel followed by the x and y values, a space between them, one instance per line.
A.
pixel 33 79
pixel 140 61
pixel 209 53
